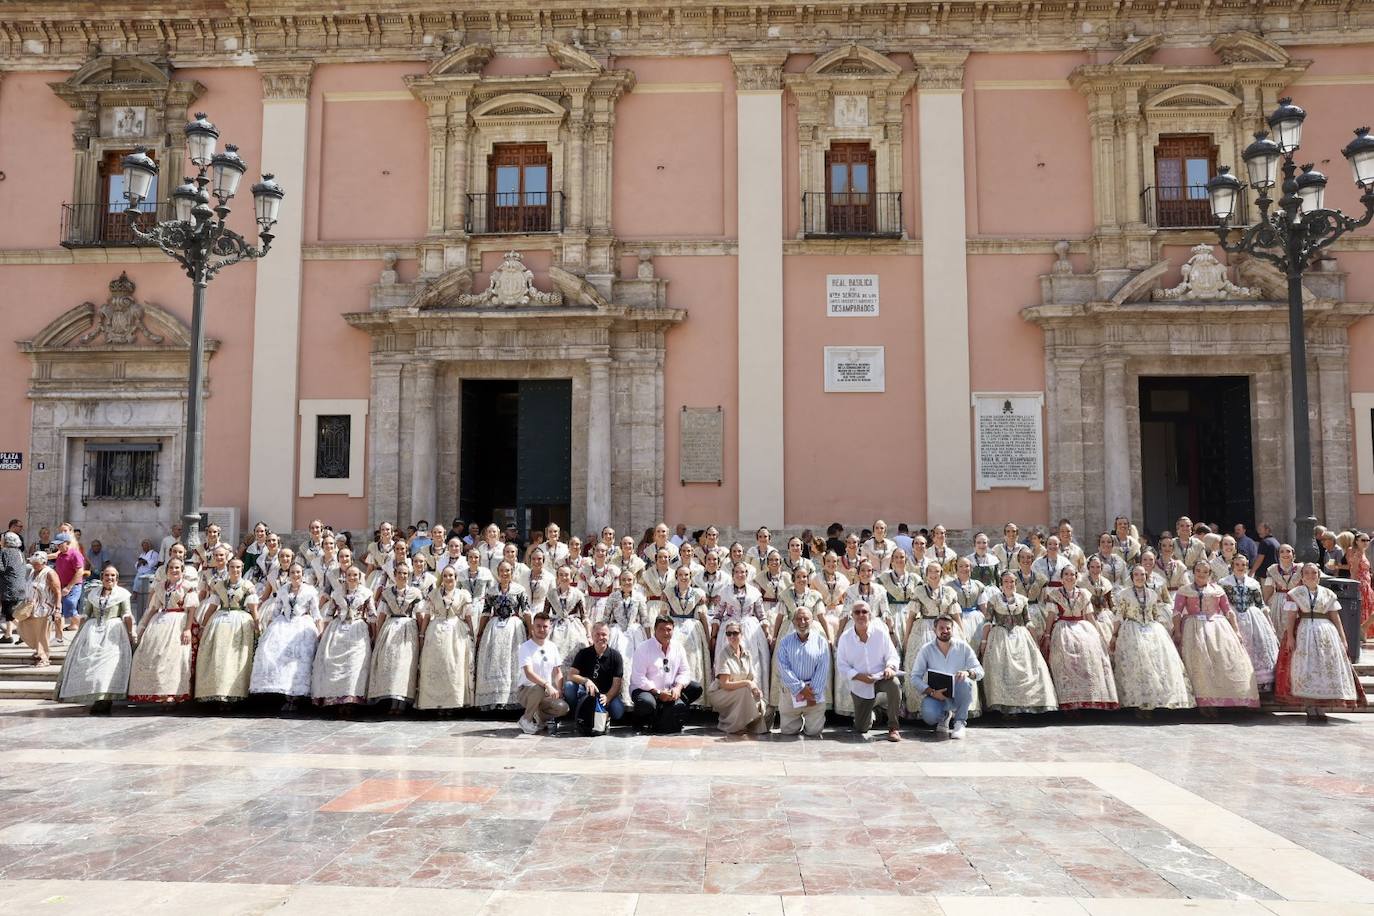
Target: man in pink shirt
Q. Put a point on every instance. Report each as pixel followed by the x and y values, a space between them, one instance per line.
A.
pixel 69 565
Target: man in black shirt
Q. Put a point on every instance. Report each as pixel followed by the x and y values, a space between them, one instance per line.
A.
pixel 597 670
pixel 1268 550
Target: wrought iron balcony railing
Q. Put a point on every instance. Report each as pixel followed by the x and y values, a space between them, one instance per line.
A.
pixel 515 213
pixel 102 225
pixel 851 215
pixel 1183 207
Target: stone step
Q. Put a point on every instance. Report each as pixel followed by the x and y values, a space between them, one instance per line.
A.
pixel 25 690
pixel 26 672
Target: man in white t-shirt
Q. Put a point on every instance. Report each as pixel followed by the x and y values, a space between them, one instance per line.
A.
pixel 168 541
pixel 541 679
pixel 868 662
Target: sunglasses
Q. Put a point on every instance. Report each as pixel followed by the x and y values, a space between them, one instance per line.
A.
pixel 732 632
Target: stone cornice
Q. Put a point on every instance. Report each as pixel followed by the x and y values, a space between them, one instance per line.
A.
pixel 60 34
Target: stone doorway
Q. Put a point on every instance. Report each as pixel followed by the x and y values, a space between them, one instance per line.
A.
pixel 516 454
pixel 1196 451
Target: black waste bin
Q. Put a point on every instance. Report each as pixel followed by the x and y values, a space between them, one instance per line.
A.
pixel 1348 592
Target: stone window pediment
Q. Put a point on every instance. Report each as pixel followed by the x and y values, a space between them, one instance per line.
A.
pixel 1197 96
pixel 120 322
pixel 847 95
pixel 121 101
pixel 570 110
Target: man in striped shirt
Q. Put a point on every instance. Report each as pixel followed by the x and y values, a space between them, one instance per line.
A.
pixel 804 666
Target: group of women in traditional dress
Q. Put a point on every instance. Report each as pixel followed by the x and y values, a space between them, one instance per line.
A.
pixel 439 628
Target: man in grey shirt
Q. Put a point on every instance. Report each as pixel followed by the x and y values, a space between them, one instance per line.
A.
pixel 954 668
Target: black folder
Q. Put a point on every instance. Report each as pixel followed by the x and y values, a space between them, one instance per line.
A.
pixel 938 680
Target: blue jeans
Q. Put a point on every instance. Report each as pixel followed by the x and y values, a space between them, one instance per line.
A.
pixel 70 602
pixel 575 693
pixel 932 710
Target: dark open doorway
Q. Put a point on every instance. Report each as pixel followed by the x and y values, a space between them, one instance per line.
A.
pixel 517 452
pixel 1196 451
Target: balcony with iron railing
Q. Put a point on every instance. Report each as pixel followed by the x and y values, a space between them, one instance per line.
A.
pixel 852 215
pixel 106 225
pixel 515 213
pixel 1182 207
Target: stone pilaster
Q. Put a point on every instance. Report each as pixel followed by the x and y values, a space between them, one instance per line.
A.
pixel 1115 441
pixel 944 290
pixel 384 445
pixel 277 298
pixel 599 444
pixel 759 166
pixel 424 445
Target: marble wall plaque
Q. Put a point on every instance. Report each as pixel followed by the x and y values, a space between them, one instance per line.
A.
pixel 854 369
pixel 1008 439
pixel 701 445
pixel 851 295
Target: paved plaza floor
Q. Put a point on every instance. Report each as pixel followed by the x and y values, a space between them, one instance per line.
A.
pixel 147 812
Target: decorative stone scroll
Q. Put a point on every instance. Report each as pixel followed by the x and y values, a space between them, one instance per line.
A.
pixel 1204 278
pixel 701 445
pixel 1008 440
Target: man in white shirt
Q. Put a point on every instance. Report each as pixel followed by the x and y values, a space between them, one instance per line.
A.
pixel 661 684
pixel 541 679
pixel 903 538
pixel 954 665
pixel 168 541
pixel 679 535
pixel 868 661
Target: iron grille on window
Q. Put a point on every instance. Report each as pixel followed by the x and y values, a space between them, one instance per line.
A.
pixel 333 435
pixel 121 470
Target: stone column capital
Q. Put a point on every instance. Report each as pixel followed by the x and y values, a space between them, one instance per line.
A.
pixel 939 71
pixel 758 71
pixel 285 80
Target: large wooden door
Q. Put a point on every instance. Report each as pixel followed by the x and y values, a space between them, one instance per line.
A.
pixel 1183 166
pixel 849 188
pixel 519 179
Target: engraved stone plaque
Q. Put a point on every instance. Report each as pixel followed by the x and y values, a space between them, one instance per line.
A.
pixel 701 445
pixel 851 111
pixel 851 295
pixel 1008 440
pixel 855 369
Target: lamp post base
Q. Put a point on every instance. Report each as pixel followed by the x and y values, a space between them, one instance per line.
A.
pixel 1304 545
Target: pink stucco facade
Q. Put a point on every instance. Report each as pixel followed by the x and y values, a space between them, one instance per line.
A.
pixel 673 151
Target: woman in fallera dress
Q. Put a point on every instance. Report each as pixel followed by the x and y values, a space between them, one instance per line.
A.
pixel 1252 619
pixel 254 548
pixel 832 585
pixel 447 650
pixel 228 637
pixel 627 613
pixel 1209 641
pixel 1077 652
pixel 656 580
pixel 1031 584
pixel 539 581
pixel 291 625
pixel 343 659
pixel 878 549
pixel 396 654
pixel 795 563
pixel 1102 588
pixel 1149 672
pixel 570 627
pixel 599 577
pixel 161 670
pixel 867 590
pixel 983 566
pixel 770 581
pixel 1016 679
pixel 712 581
pixel 687 606
pixel 1318 674
pixel 95 672
pixel 1170 565
pixel 849 560
pixel 966 593
pixel 901 584
pixel 1279 579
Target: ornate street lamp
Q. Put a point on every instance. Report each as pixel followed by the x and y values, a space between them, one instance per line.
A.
pixel 198 239
pixel 1291 237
